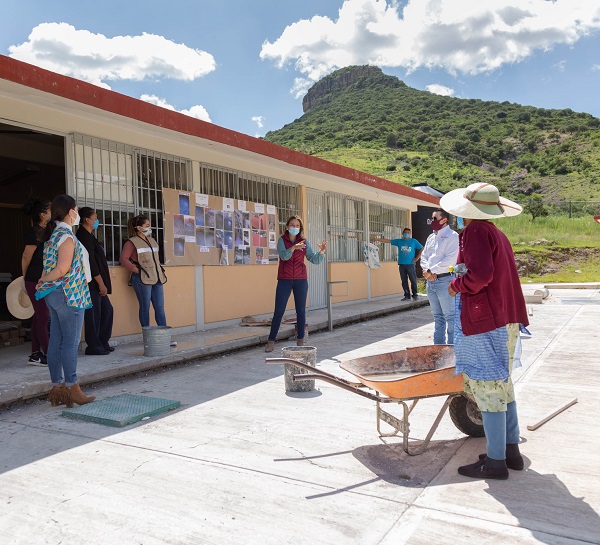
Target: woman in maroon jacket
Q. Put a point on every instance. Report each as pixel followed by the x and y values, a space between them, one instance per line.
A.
pixel 489 310
pixel 292 248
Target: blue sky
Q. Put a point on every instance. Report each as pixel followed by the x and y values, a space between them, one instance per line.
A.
pixel 245 65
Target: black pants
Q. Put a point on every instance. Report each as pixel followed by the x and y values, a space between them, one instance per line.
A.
pixel 98 322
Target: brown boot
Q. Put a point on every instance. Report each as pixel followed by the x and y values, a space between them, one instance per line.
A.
pixel 270 346
pixel 78 396
pixel 59 395
pixel 300 342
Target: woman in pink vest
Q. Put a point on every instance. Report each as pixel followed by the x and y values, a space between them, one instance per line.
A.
pixel 292 276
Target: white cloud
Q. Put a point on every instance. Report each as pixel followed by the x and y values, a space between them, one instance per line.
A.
pixel 438 89
pixel 596 67
pixel 472 38
pixel 199 112
pixel 560 66
pixel 258 119
pixel 97 59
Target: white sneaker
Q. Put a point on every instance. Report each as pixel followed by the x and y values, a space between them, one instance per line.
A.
pixel 173 343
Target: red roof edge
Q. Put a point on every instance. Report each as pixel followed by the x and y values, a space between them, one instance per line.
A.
pixel 86 93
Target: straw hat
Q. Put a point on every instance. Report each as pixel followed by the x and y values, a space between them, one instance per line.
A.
pixel 479 201
pixel 17 300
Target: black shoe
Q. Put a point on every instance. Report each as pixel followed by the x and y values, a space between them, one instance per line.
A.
pixel 485 469
pixel 415 297
pixel 96 353
pixel 514 460
pixel 406 298
pixel 39 359
pixel 109 348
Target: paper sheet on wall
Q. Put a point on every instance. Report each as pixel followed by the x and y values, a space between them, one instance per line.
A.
pixel 371 255
pixel 201 200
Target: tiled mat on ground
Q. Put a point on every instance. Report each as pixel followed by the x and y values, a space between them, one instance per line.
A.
pixel 121 410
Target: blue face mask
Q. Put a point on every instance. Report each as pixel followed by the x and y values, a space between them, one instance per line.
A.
pixel 294 231
pixel 95 225
pixel 406 235
pixel 460 223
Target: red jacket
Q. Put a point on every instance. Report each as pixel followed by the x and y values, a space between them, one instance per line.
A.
pixel 291 263
pixel 491 293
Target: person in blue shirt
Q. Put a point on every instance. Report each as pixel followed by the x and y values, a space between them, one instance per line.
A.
pixel 409 252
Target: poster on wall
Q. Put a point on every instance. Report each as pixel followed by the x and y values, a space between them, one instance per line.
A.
pixel 207 230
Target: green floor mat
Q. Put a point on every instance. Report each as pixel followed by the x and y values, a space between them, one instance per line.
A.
pixel 121 410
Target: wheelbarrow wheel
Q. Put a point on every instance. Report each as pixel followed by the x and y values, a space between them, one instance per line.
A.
pixel 466 416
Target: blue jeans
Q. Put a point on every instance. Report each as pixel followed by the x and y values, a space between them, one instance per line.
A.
pixel 408 272
pixel 282 294
pixel 65 333
pixel 149 293
pixel 442 308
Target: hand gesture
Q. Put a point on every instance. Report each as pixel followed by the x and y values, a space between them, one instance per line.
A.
pixel 322 246
pixel 299 245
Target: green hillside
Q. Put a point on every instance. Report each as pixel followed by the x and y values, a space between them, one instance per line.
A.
pixel 359 117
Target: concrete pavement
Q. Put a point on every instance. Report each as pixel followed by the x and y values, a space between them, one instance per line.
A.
pixel 242 461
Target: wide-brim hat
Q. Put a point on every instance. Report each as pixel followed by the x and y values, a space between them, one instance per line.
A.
pixel 479 201
pixel 17 300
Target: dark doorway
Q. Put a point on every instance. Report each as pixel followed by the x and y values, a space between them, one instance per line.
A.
pixel 32 164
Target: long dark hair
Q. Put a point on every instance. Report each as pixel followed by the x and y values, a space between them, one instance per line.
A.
pixel 34 208
pixel 60 208
pixel 136 221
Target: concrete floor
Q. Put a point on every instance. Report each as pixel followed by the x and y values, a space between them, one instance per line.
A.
pixel 242 461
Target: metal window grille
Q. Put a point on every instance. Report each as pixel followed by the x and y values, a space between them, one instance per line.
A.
pixel 235 184
pixel 120 181
pixel 345 226
pixel 387 222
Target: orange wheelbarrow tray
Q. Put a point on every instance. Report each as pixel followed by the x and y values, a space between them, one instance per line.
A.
pixel 400 377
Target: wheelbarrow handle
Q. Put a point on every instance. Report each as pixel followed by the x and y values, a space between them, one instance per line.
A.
pixel 313 370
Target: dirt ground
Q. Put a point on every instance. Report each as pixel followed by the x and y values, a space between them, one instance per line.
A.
pixel 553 260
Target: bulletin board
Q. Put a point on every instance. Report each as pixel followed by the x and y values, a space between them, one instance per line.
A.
pixel 207 230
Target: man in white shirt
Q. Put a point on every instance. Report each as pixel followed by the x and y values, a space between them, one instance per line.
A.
pixel 438 255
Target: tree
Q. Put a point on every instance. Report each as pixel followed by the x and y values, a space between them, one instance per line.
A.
pixel 535 207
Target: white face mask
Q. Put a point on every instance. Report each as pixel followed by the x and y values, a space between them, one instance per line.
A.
pixel 77 219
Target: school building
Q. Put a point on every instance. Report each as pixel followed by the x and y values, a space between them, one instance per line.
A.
pixel 119 155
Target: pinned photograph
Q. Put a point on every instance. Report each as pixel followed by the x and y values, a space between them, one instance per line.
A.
pixel 259 221
pixel 259 255
pixel 199 216
pixel 272 222
pixel 246 237
pixel 219 219
pixel 263 239
pixel 178 224
pixel 184 204
pixel 219 238
pixel 189 226
pixel 209 217
pixel 238 257
pixel 273 256
pixel 239 219
pixel 200 238
pixel 228 221
pixel 209 238
pixel 224 257
pixel 272 240
pixel 228 239
pixel 179 247
pixel 239 237
pixel 247 256
pixel 255 237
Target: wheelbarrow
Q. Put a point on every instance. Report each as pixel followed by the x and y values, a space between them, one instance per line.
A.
pixel 403 377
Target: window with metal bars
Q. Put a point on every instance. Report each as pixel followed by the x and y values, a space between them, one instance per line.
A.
pixel 387 222
pixel 345 227
pixel 235 184
pixel 120 181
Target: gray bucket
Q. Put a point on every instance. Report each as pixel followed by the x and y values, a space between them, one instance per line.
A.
pixel 157 340
pixel 305 354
